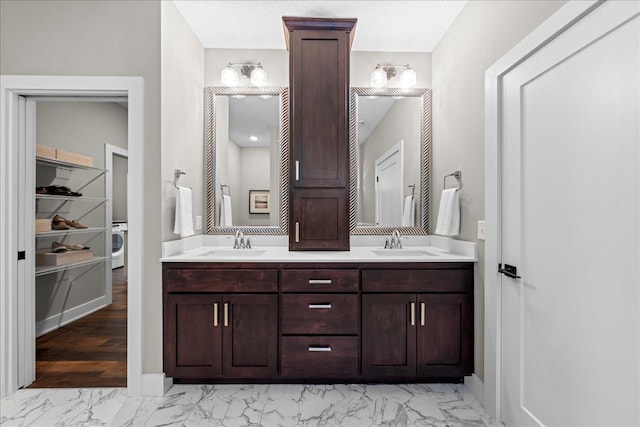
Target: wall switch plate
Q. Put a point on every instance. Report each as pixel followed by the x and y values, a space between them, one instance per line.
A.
pixel 480 230
pixel 198 222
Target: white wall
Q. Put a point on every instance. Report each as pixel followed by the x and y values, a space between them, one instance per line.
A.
pixel 254 175
pixel 182 115
pixel 482 33
pixel 101 38
pixel 119 183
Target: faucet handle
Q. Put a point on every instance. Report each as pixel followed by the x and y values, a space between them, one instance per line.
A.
pixel 386 243
pixel 247 244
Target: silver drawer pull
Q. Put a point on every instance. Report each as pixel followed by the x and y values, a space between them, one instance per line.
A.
pixel 319 281
pixel 319 305
pixel 319 348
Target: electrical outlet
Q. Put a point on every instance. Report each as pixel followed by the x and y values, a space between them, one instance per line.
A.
pixel 480 230
pixel 198 222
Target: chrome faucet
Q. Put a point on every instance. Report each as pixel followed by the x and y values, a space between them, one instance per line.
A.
pixel 393 242
pixel 240 242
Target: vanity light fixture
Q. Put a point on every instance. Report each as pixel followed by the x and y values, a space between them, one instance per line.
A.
pixel 252 71
pixel 383 73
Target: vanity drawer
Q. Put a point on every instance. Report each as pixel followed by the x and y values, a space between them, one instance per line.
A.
pixel 220 280
pixel 405 280
pixel 335 314
pixel 320 280
pixel 319 356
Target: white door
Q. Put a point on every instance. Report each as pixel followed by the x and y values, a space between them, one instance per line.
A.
pixel 571 225
pixel 389 172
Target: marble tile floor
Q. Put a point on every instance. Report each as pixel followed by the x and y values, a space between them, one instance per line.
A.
pixel 266 405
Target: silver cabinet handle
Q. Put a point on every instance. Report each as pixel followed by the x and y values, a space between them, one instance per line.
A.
pixel 226 314
pixel 319 305
pixel 319 348
pixel 423 313
pixel 413 314
pixel 320 281
pixel 297 170
pixel 297 232
pixel 215 314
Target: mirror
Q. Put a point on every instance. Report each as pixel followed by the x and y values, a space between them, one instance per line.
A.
pixel 390 151
pixel 246 160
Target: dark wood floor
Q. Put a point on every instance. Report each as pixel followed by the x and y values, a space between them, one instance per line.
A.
pixel 90 352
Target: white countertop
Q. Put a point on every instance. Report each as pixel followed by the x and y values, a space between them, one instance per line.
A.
pixel 416 249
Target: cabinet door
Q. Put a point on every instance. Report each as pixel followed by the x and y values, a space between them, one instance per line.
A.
pixel 250 324
pixel 319 119
pixel 388 335
pixel 319 220
pixel 445 335
pixel 193 335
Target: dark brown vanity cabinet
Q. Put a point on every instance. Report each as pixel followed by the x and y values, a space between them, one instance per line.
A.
pixel 319 123
pixel 329 322
pixel 417 334
pixel 208 334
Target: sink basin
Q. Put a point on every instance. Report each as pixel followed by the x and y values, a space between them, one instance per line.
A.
pixel 403 253
pixel 235 253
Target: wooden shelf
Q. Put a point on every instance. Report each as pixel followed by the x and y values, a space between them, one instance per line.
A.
pixel 71 231
pixel 41 271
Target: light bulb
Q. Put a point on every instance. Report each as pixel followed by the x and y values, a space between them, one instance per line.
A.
pixel 229 76
pixel 408 78
pixel 378 78
pixel 259 76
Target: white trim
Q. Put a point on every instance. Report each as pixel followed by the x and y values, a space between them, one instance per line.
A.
pixel 54 322
pixel 475 386
pixel 109 152
pixel 559 22
pixel 155 384
pixel 10 88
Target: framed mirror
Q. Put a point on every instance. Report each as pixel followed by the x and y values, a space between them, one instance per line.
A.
pixel 247 160
pixel 390 160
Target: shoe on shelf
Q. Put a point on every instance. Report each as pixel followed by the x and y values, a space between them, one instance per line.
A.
pixel 59 247
pixel 59 223
pixel 59 219
pixel 59 190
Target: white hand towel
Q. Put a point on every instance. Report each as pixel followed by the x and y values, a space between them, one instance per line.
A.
pixel 449 213
pixel 184 217
pixel 226 219
pixel 408 214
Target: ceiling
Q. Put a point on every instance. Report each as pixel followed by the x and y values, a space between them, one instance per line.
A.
pixel 383 26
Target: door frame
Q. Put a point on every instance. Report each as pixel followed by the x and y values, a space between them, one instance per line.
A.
pixel 396 148
pixel 558 23
pixel 11 88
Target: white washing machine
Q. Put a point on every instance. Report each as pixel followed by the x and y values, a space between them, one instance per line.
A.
pixel 117 244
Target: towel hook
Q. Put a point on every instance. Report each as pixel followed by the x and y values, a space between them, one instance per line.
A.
pixel 176 176
pixel 222 187
pixel 457 175
pixel 413 190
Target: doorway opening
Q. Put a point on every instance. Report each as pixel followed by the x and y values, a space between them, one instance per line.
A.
pixel 80 281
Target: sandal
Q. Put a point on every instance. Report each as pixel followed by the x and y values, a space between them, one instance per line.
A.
pixel 61 190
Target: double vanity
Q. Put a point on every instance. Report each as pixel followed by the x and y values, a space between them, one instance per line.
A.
pixel 320 297
pixel 268 314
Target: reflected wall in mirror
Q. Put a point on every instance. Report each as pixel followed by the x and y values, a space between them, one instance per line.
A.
pixel 390 150
pixel 246 149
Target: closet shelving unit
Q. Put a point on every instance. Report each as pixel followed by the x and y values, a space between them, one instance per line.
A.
pixel 92 203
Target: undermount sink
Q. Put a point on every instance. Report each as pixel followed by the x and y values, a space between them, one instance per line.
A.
pixel 240 253
pixel 402 253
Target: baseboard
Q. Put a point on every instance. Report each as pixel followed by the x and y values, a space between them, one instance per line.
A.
pixel 476 386
pixel 54 322
pixel 155 384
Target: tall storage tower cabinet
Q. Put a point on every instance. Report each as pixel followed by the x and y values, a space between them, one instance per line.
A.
pixel 319 118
